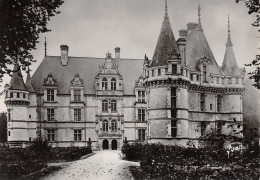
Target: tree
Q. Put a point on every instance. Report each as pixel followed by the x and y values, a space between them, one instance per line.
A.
pixel 21 22
pixel 254 9
pixel 3 126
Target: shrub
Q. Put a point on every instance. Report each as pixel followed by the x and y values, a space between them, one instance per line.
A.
pixel 132 152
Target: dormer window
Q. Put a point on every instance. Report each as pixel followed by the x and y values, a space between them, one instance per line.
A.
pixel 174 69
pixel 77 95
pixel 237 81
pixel 159 72
pixel 18 95
pixel 104 84
pixel 152 73
pixel 141 96
pixel 229 81
pixel 113 84
pixel 217 80
pixel 50 94
pixel 11 95
pixel 24 96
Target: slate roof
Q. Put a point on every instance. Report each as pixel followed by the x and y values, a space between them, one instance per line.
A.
pixel 165 46
pixel 17 82
pixel 87 68
pixel 229 65
pixel 197 47
pixel 28 83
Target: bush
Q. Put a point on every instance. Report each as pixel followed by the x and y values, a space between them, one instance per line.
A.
pixel 132 152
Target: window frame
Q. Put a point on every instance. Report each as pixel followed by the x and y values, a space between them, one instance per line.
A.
pixel 173 97
pixel 141 114
pixel 104 106
pixel 113 84
pixel 141 134
pixel 77 95
pixel 113 106
pixel 77 114
pixel 174 128
pixel 174 69
pixel 141 96
pixel 105 125
pixel 50 114
pixel 104 84
pixel 50 95
pixel 113 125
pixel 51 135
pixel 202 101
pixel 159 72
pixel 77 135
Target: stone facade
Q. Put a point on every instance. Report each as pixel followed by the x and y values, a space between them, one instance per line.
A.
pixel 178 95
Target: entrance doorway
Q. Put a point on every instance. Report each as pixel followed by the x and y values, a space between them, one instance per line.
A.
pixel 105 144
pixel 114 144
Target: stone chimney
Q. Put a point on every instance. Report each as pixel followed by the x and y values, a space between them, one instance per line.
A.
pixel 191 27
pixel 183 33
pixel 64 50
pixel 117 52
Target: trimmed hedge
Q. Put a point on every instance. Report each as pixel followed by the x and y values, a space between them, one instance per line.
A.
pixel 174 162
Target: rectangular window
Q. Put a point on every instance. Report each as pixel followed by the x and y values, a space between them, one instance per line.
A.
pixel 173 113
pixel 187 73
pixel 152 73
pixel 11 95
pixel 191 77
pixel 166 70
pixel 202 128
pixel 77 135
pixel 51 135
pixel 211 106
pixel 212 80
pixel 159 72
pixel 229 81
pixel 198 77
pixel 77 95
pixel 50 94
pixel 173 97
pixel 141 115
pixel 173 128
pixel 174 69
pixel 202 101
pixel 50 114
pixel 182 72
pixel 18 95
pixel 218 103
pixel 217 80
pixel 9 114
pixel 141 96
pixel 222 79
pixel 24 96
pixel 141 134
pixel 9 133
pixel 77 114
pixel 204 74
pixel 237 81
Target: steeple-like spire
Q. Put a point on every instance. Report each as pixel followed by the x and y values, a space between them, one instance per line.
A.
pixel 28 83
pixel 199 18
pixel 17 82
pixel 45 47
pixel 166 45
pixel 229 43
pixel 229 65
pixel 166 10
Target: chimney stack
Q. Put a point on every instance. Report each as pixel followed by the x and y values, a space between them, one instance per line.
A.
pixel 64 50
pixel 117 52
pixel 191 27
pixel 183 33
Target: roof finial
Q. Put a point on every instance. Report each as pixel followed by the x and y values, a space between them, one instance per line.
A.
pixel 199 17
pixel 45 47
pixel 166 10
pixel 229 43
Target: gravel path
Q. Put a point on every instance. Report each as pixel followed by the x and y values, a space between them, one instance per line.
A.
pixel 104 165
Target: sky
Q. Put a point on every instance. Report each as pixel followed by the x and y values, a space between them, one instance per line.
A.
pixel 91 28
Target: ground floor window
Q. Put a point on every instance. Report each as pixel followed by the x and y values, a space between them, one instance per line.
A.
pixel 51 135
pixel 141 134
pixel 77 135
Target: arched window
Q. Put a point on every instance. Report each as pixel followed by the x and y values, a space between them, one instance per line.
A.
pixel 113 84
pixel 114 125
pixel 104 84
pixel 113 106
pixel 104 105
pixel 105 125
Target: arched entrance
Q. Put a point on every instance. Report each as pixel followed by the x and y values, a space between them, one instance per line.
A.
pixel 114 144
pixel 105 144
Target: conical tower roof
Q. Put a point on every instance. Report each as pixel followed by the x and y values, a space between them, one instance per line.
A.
pixel 229 65
pixel 17 82
pixel 197 48
pixel 166 44
pixel 28 83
